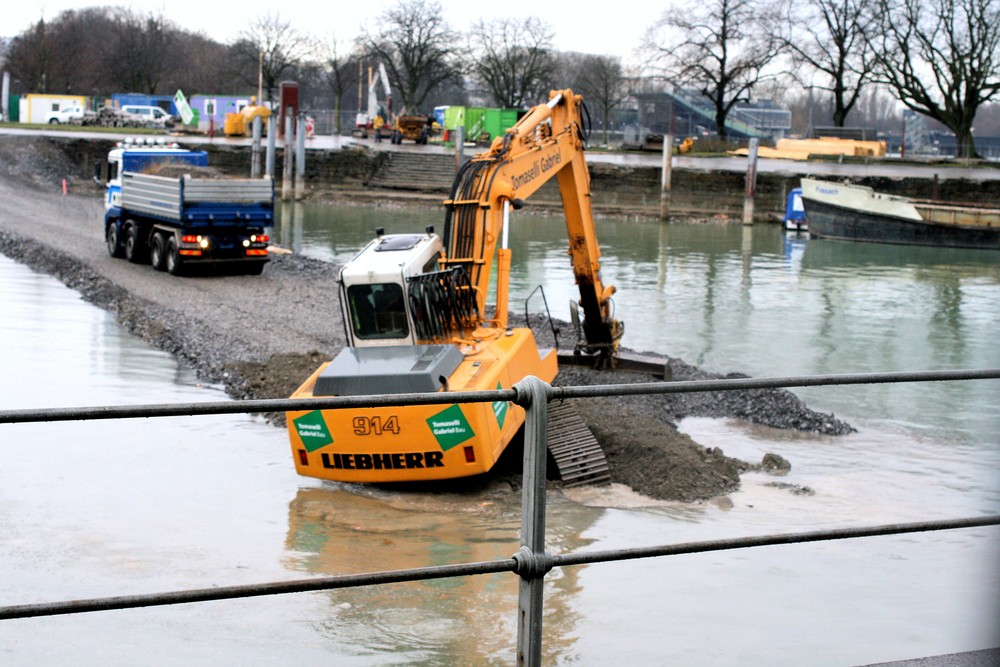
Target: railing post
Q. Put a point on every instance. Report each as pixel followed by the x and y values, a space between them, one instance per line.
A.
pixel 532 561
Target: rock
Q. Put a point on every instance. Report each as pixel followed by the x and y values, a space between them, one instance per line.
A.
pixel 775 464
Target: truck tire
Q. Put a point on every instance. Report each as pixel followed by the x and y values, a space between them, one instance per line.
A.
pixel 158 252
pixel 135 250
pixel 114 242
pixel 173 262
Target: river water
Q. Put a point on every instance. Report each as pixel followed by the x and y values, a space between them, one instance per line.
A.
pixel 116 508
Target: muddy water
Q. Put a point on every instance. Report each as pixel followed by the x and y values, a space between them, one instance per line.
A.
pixel 143 506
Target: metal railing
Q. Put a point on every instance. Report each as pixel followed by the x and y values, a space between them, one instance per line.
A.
pixel 531 563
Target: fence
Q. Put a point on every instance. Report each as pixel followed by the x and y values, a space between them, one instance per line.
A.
pixel 530 563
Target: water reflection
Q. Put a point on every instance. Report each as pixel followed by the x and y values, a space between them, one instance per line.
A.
pixel 463 620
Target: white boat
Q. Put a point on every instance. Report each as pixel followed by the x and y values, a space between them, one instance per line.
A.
pixel 858 213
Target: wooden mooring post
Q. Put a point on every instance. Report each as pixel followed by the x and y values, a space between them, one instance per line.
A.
pixel 668 160
pixel 300 158
pixel 459 147
pixel 286 172
pixel 751 187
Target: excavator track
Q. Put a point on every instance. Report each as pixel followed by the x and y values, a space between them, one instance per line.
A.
pixel 577 453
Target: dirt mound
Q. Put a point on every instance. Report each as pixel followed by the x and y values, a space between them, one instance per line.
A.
pixel 34 162
pixel 169 170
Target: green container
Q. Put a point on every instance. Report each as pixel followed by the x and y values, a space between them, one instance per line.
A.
pixel 454 117
pixel 499 120
pixel 14 110
pixel 475 122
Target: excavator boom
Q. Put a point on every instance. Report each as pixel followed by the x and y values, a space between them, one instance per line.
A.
pixel 547 142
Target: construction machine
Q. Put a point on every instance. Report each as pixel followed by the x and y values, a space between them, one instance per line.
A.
pixel 240 123
pixel 411 127
pixel 364 123
pixel 417 319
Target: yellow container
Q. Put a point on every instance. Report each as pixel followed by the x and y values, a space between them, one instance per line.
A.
pixel 235 125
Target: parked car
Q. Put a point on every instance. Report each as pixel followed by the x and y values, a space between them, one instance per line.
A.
pixel 149 115
pixel 73 114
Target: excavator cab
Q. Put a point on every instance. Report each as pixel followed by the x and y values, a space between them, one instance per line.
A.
pixel 374 288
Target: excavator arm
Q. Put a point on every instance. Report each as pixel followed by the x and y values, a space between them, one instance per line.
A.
pixel 548 142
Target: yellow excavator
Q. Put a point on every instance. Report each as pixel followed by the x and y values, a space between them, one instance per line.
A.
pixel 415 313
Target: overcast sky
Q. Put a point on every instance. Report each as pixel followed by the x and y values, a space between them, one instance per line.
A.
pixel 586 27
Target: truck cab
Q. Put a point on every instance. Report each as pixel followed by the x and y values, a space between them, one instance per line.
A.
pixel 136 155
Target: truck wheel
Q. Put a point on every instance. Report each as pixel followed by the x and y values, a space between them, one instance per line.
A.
pixel 254 269
pixel 173 262
pixel 135 252
pixel 158 252
pixel 114 243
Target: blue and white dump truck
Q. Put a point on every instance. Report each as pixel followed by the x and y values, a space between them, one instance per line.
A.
pixel 180 218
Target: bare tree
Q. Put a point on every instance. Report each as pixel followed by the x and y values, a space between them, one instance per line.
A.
pixel 513 59
pixel 340 74
pixel 602 83
pixel 31 57
pixel 720 48
pixel 63 56
pixel 269 49
pixel 417 48
pixel 941 58
pixel 200 65
pixel 142 51
pixel 829 37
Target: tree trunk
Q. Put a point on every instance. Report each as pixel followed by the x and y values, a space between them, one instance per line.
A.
pixel 720 122
pixel 965 142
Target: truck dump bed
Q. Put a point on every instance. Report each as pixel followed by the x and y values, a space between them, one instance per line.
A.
pixel 166 197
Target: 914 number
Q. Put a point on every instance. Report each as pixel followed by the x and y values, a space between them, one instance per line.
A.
pixel 376 425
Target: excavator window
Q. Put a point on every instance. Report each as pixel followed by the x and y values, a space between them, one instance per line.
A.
pixel 378 311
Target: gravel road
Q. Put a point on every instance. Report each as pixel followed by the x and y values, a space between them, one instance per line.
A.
pixel 261 336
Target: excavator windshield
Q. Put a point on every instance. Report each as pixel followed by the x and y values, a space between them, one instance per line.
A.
pixel 378 311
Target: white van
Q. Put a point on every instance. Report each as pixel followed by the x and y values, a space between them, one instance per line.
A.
pixel 148 115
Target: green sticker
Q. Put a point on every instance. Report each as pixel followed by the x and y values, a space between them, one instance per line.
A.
pixel 313 431
pixel 500 409
pixel 450 427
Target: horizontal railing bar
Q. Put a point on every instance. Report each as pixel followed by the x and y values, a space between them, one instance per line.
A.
pixel 396 400
pixel 256 590
pixel 468 569
pixel 772 540
pixel 736 384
